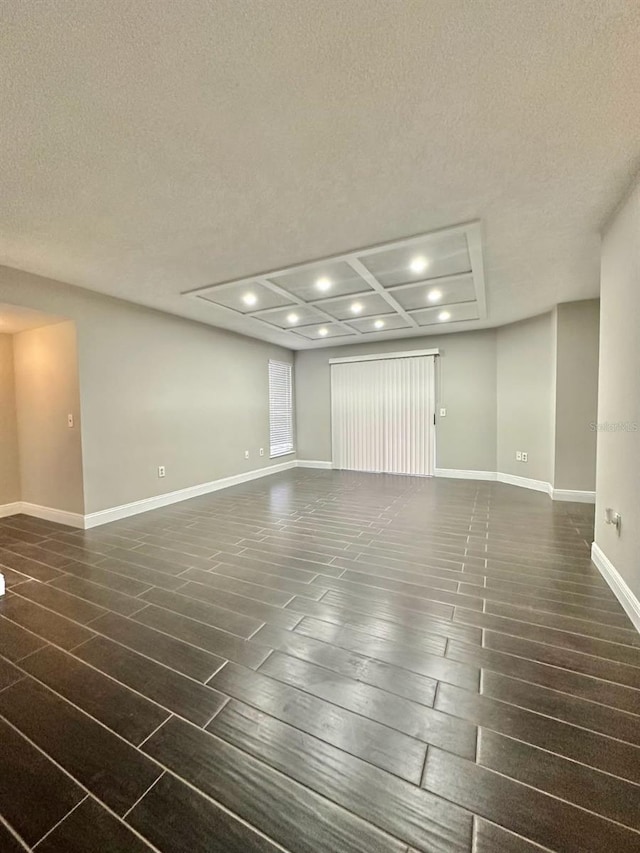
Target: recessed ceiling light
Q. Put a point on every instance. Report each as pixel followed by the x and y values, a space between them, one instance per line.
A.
pixel 356 307
pixel 249 299
pixel 323 332
pixel 434 295
pixel 292 318
pixel 418 264
pixel 379 324
pixel 323 283
pixel 443 316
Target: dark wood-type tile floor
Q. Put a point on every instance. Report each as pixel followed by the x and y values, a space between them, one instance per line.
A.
pixel 318 661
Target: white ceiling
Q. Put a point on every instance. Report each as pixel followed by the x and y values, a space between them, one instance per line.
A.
pixel 155 147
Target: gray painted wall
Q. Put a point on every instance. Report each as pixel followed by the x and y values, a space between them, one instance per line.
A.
pixel 47 391
pixel 578 330
pixel 618 465
pixel 526 397
pixel 9 462
pixel 465 385
pixel 156 390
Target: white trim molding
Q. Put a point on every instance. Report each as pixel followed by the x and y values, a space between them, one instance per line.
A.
pixel 618 585
pixel 574 495
pixel 461 474
pixel 523 482
pixel 314 463
pixel 10 509
pixel 46 513
pixel 382 356
pixel 1 584
pixel 115 513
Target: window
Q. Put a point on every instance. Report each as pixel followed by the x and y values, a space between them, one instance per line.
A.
pixel 280 408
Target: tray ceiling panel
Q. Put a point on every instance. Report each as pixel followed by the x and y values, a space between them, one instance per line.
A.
pixel 434 278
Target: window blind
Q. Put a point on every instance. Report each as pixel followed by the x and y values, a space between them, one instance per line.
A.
pixel 280 408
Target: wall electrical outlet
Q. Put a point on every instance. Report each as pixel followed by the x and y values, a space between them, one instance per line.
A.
pixel 443 413
pixel 262 451
pixel 518 456
pixel 525 456
pixel 161 471
pixel 70 421
pixel 246 454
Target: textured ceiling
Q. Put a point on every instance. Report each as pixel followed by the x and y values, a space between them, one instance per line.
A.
pixel 155 147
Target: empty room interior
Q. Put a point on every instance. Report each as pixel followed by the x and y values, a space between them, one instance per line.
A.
pixel 320 426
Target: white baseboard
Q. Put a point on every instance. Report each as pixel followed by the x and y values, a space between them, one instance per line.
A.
pixel 461 474
pixel 522 482
pixel 525 483
pixel 618 585
pixel 573 495
pixel 115 513
pixel 1 584
pixel 46 513
pixel 311 463
pixel 10 509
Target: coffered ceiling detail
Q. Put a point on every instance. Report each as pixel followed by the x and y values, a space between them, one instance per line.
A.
pixel 404 286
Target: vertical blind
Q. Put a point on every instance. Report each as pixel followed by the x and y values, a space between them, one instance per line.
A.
pixel 382 415
pixel 280 408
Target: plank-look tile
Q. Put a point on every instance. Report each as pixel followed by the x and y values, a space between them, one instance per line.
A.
pixel 8 673
pixel 10 841
pixel 16 642
pixel 356 666
pixel 109 599
pixel 394 805
pixel 175 692
pixel 419 598
pixel 109 767
pixel 218 617
pixel 214 642
pixel 39 554
pixel 177 543
pixel 102 577
pixel 216 582
pixel 174 817
pixel 522 809
pixel 255 792
pixel 273 581
pixel 550 636
pixel 118 708
pixel 44 623
pixel 588 664
pixel 142 574
pixel 598 792
pixel 90 828
pixel 11 577
pixel 72 551
pixel 60 602
pixel 405 657
pixel 27 567
pixel 183 657
pixel 365 600
pixel 397 629
pixel 417 721
pixel 596 750
pixel 626 635
pixel 263 561
pixel 584 686
pixel 552 703
pixel 376 743
pixel 194 600
pixel 34 793
pixel 167 567
pixel 489 838
pixel 167 555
